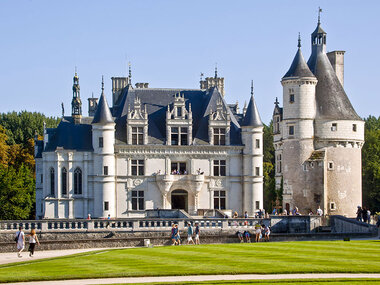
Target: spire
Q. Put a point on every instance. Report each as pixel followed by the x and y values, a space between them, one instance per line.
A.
pixel 76 102
pixel 276 103
pixel 216 70
pixel 298 67
pixel 103 114
pixel 130 73
pixel 319 15
pixel 252 116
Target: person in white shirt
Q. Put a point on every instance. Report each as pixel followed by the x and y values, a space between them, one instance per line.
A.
pixel 319 211
pixel 20 241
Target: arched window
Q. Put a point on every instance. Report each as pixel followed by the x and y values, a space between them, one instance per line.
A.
pixel 78 181
pixel 52 182
pixel 64 181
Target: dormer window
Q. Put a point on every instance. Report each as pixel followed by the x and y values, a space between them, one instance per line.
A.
pixel 137 124
pixel 219 125
pixel 179 122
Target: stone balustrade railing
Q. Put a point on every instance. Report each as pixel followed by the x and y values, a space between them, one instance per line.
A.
pixel 135 224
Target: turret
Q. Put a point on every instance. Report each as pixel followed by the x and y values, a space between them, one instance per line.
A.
pixel 103 140
pixel 252 138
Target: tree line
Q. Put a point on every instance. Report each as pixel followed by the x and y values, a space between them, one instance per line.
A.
pixel 17 165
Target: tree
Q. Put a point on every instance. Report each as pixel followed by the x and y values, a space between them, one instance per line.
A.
pixel 371 164
pixel 270 194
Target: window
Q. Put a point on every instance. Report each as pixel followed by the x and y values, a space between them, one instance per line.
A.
pixel 332 206
pixel 105 170
pixel 257 171
pixel 291 130
pixel 138 200
pixel 219 136
pixel 179 136
pixel 137 135
pixel 220 200
pixel 291 98
pixel 106 206
pixel 137 167
pixel 64 181
pixel 279 163
pixel 78 181
pixel 42 178
pixel 100 142
pixel 354 127
pixel 178 168
pixel 52 182
pixel 276 126
pixel 179 111
pixel 334 127
pixel 257 204
pixel 330 165
pixel 219 168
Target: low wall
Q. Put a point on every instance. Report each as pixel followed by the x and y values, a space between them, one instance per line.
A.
pixel 340 224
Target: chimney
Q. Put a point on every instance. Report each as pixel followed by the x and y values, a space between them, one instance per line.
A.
pixel 118 84
pixel 337 61
pixel 92 104
pixel 142 85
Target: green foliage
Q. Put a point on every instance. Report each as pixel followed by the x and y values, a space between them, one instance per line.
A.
pixel 233 258
pixel 270 194
pixel 17 193
pixel 371 164
pixel 22 126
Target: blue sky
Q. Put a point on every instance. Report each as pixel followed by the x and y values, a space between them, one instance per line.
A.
pixel 169 44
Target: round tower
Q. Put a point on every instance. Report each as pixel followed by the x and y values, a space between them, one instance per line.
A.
pixel 297 132
pixel 103 140
pixel 252 138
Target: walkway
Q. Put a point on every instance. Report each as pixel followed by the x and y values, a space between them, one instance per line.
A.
pixel 199 278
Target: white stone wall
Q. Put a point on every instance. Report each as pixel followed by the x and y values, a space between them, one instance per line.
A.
pixel 344 130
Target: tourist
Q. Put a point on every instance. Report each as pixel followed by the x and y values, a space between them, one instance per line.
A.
pixel 89 217
pixel 285 212
pixel 33 239
pixel 274 212
pixel 359 214
pixel 173 235
pixel 240 236
pixel 368 216
pixel 260 213
pixel 246 215
pixel 197 233
pixel 319 211
pixel 236 215
pixel 190 232
pixel 247 236
pixel 178 237
pixel 266 233
pixel 257 232
pixel 20 241
pixel 364 214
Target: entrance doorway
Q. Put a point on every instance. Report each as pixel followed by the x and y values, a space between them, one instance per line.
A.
pixel 180 200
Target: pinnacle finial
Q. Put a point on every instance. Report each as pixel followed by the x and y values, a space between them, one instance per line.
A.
pixel 319 15
pixel 251 87
pixel 299 40
pixel 276 102
pixel 216 70
pixel 102 84
pixel 75 70
pixel 129 72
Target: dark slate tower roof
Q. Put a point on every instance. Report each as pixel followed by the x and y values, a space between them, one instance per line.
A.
pixel 103 114
pixel 252 116
pixel 299 67
pixel 332 101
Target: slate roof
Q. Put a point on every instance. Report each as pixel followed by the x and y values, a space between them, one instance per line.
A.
pixel 103 114
pixel 71 136
pixel 156 101
pixel 332 101
pixel 252 116
pixel 298 67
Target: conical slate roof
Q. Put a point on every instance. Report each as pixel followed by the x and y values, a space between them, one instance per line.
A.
pixel 332 101
pixel 103 114
pixel 252 116
pixel 299 67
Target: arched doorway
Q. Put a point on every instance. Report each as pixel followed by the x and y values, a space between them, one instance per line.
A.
pixel 180 200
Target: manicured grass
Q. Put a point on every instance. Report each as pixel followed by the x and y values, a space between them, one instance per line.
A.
pixel 261 258
pixel 342 281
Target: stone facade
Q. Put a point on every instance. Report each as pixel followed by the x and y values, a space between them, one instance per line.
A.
pixel 317 135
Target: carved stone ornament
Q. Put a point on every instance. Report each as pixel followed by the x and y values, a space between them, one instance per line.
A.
pixel 137 182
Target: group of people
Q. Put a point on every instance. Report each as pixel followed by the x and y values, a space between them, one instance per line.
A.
pixel 20 241
pixel 176 238
pixel 261 231
pixel 363 215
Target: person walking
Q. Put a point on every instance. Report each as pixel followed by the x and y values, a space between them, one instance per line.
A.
pixel 319 211
pixel 257 232
pixel 359 214
pixel 266 233
pixel 20 241
pixel 197 233
pixel 368 216
pixel 173 235
pixel 190 232
pixel 33 239
pixel 247 236
pixel 178 237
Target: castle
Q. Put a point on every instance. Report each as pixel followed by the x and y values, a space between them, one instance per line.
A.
pixel 153 149
pixel 317 135
pixel 188 149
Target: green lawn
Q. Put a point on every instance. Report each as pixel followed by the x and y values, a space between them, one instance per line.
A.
pixel 342 281
pixel 261 258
